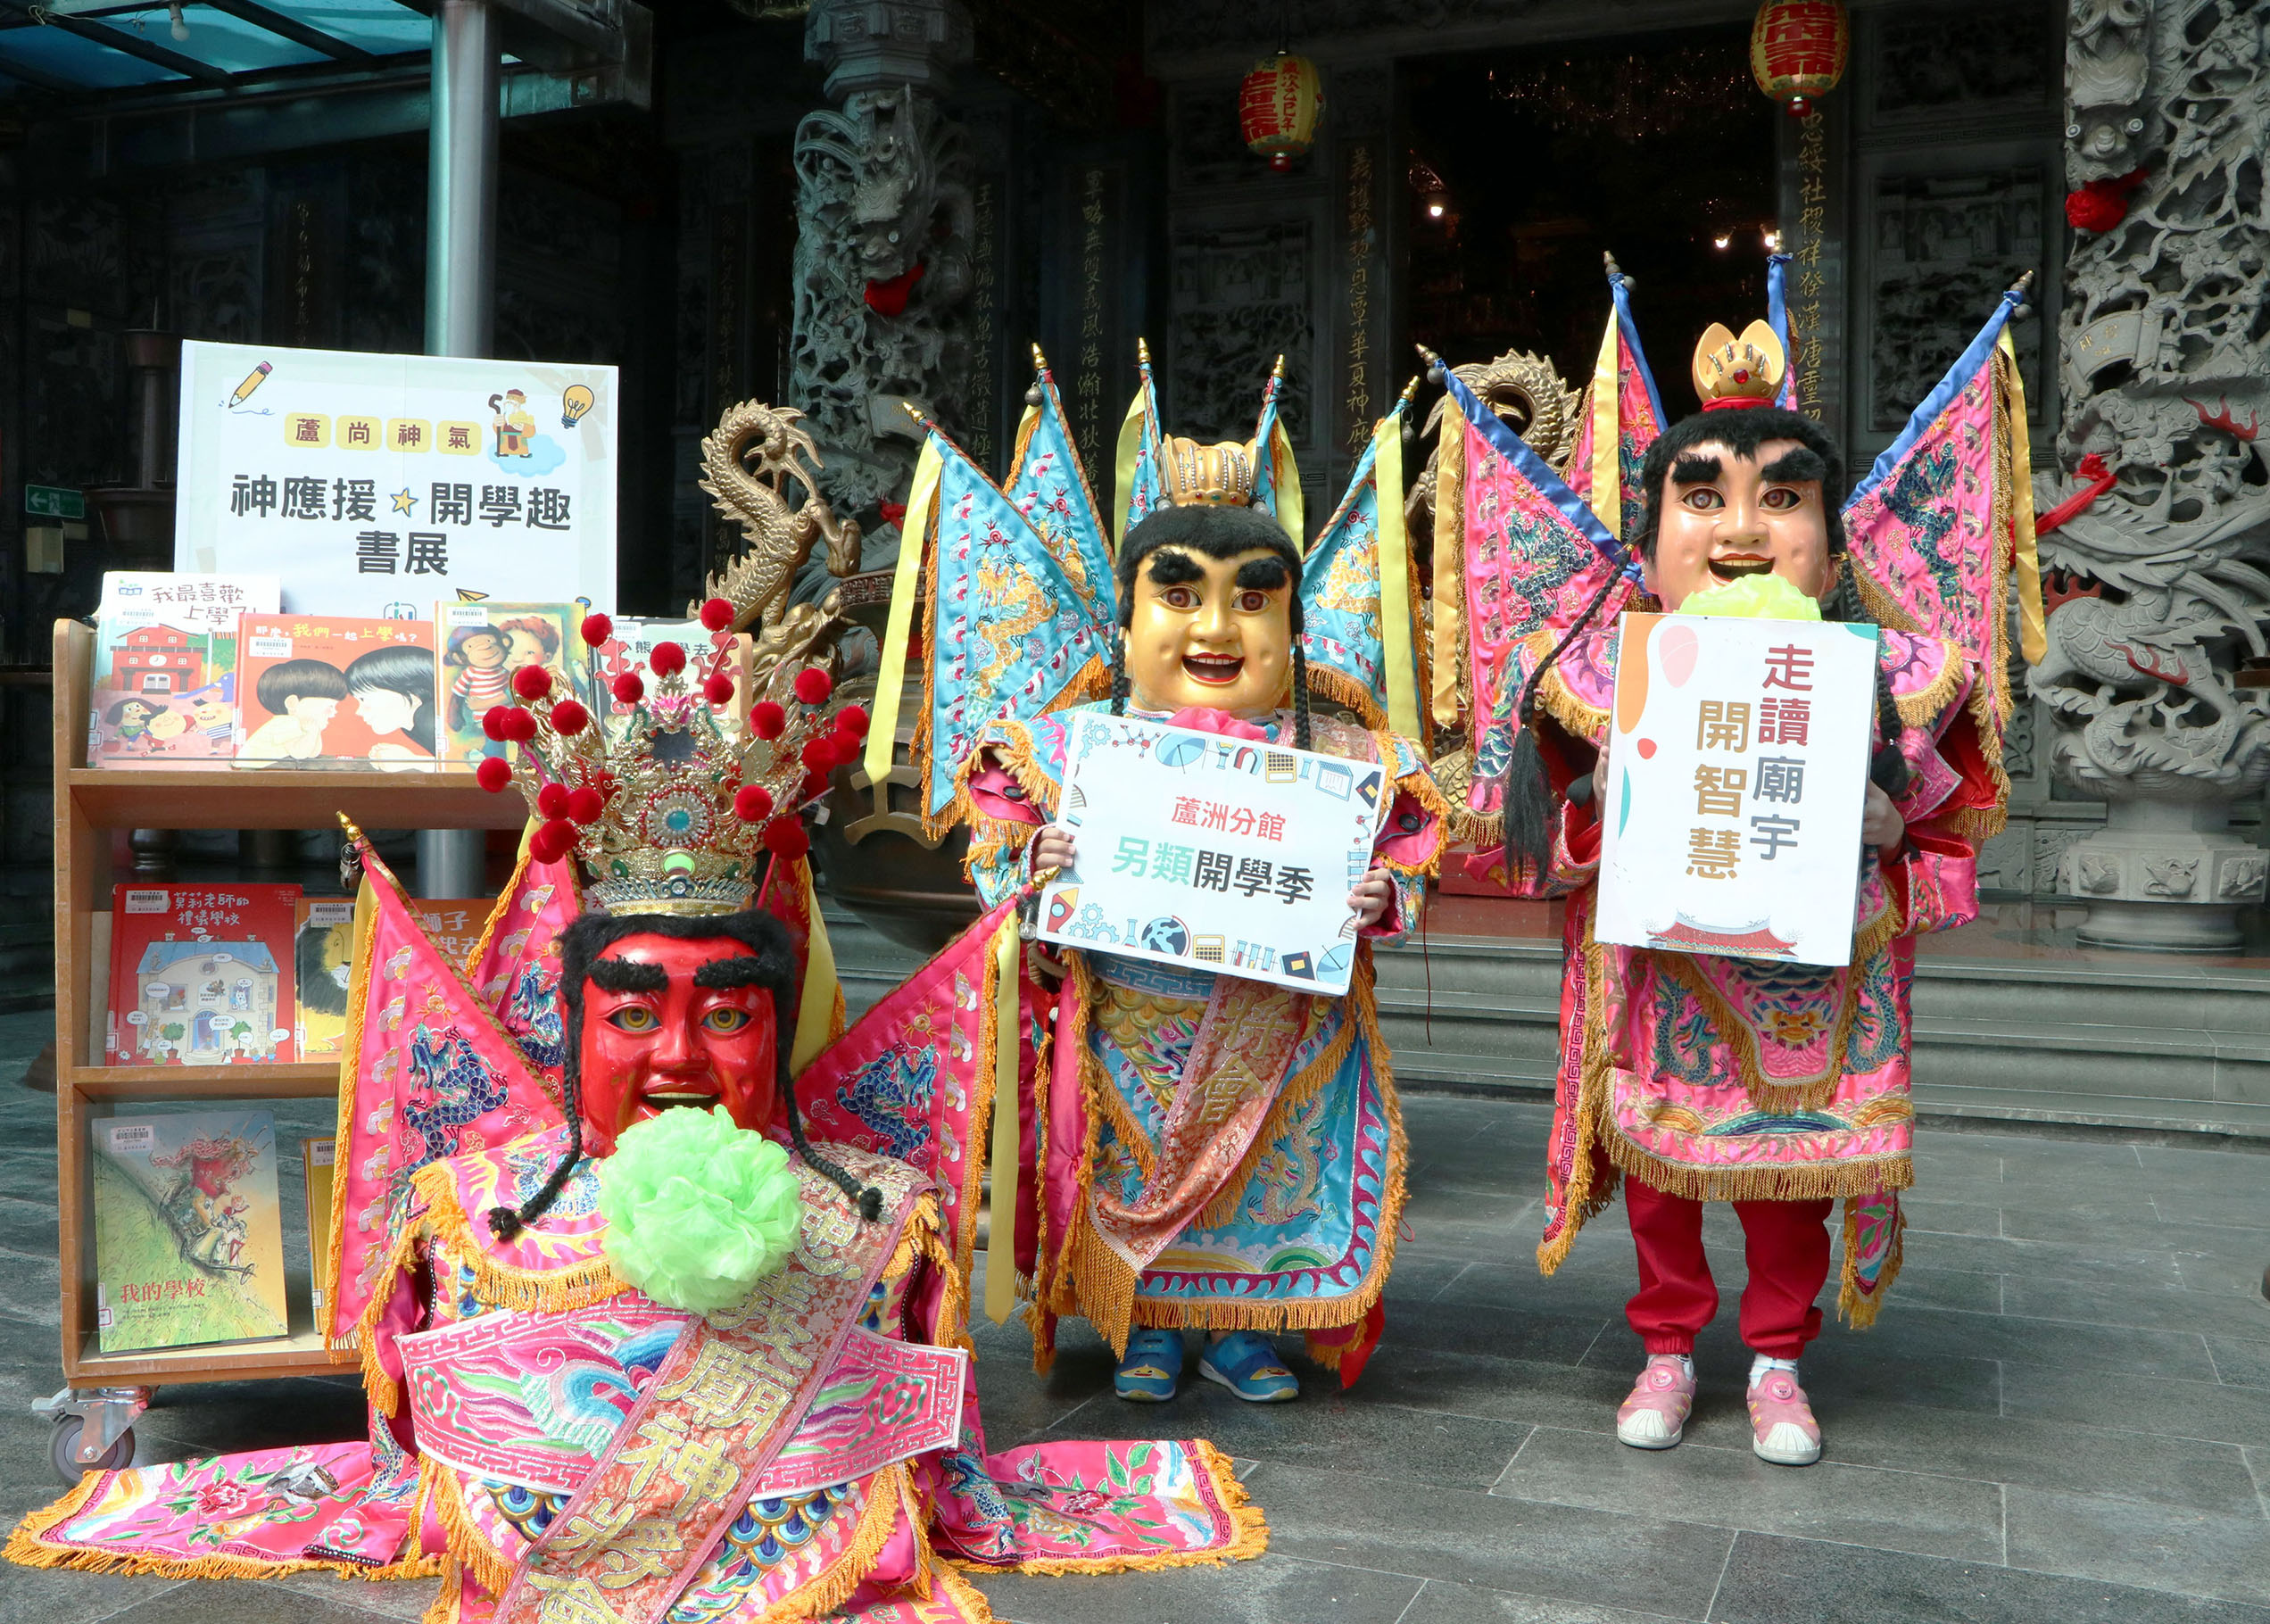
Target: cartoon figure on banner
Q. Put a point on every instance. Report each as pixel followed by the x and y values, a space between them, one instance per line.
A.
pixel 513 425
pixel 1688 1077
pixel 1172 1084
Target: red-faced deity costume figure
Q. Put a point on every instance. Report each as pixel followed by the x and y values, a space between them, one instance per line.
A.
pixel 1199 1150
pixel 1781 1088
pixel 635 1349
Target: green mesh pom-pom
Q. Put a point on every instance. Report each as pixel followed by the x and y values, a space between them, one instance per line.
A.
pixel 1766 597
pixel 698 1210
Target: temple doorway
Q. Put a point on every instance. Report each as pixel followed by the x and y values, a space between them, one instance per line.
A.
pixel 1525 164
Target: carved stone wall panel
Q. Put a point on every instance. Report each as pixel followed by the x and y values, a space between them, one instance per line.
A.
pixel 1243 294
pixel 1208 150
pixel 1970 62
pixel 76 257
pixel 1364 378
pixel 383 305
pixel 1944 247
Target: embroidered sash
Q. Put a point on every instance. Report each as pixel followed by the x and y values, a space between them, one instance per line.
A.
pixel 1238 1059
pixel 704 1433
pixel 534 1399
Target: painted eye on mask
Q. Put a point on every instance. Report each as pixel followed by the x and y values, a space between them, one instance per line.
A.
pixel 1179 598
pixel 1252 603
pixel 724 1019
pixel 1703 500
pixel 1781 499
pixel 634 1017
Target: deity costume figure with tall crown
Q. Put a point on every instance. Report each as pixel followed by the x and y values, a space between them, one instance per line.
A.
pixel 1781 1088
pixel 637 1349
pixel 1197 1149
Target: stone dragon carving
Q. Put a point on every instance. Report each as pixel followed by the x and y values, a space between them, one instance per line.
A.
pixel 1526 392
pixel 884 218
pixel 756 464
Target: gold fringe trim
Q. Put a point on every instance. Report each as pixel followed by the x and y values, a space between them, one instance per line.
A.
pixel 501 1285
pixel 466 1542
pixel 1858 1309
pixel 26 1548
pixel 892 1498
pixel 1103 1281
pixel 449 1602
pixel 1582 1201
pixel 1014 756
pixel 1249 1538
pixel 1223 1207
pixel 1328 682
pixel 379 1388
pixel 962 1593
pixel 1585 721
pixel 1834 1180
pixel 914 1236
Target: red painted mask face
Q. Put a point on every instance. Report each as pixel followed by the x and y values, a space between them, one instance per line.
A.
pixel 653 1037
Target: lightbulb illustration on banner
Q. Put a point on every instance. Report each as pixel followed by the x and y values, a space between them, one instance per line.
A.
pixel 573 404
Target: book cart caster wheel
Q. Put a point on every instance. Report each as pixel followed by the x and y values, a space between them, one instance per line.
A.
pixel 62 1451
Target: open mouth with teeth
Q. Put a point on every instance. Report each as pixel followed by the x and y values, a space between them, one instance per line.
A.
pixel 654 1101
pixel 1738 565
pixel 1215 670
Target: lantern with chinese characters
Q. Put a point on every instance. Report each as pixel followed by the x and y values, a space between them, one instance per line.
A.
pixel 1797 49
pixel 1279 106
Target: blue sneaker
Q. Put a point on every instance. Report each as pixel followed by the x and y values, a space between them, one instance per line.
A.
pixel 1152 1369
pixel 1246 1362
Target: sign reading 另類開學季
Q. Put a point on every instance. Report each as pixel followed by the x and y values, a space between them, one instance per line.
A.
pixel 374 485
pixel 1230 856
pixel 1731 820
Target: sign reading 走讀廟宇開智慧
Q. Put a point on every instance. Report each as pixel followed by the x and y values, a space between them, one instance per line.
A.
pixel 1230 856
pixel 375 484
pixel 1731 820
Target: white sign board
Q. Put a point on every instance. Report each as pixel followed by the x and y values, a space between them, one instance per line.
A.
pixel 1731 821
pixel 1211 853
pixel 376 484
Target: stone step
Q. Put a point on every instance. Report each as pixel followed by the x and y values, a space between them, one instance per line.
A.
pixel 2140 1043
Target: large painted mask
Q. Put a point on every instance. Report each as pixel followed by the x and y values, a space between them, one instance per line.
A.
pixel 671 1020
pixel 1211 632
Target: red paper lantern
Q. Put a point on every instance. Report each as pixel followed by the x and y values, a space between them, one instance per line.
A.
pixel 1278 107
pixel 1798 49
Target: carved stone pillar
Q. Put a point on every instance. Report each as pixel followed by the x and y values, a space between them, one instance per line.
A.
pixel 885 220
pixel 2165 372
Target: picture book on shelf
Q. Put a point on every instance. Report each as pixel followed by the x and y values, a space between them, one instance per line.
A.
pixel 483 644
pixel 324 689
pixel 201 975
pixel 322 961
pixel 162 692
pixel 318 1157
pixel 188 1234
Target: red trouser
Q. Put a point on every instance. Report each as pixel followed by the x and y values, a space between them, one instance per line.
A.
pixel 1785 1242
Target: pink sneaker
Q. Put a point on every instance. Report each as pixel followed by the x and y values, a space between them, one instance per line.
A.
pixel 1655 1414
pixel 1781 1422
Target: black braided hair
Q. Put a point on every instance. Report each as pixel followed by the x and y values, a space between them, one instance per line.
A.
pixel 1528 789
pixel 586 940
pixel 1887 765
pixel 1215 532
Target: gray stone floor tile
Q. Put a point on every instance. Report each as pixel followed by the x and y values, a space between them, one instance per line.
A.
pixel 2118 1303
pixel 1731 1487
pixel 241 1603
pixel 2117 1223
pixel 27 1226
pixel 405 1599
pixel 1959 1290
pixel 2056 1454
pixel 1507 1333
pixel 2205 1271
pixel 1275 1589
pixel 2241 1361
pixel 1648 1563
pixel 2247 1207
pixel 1445 1602
pixel 1501 1389
pixel 1323 1430
pixel 1936 1215
pixel 1917 1332
pixel 40 1596
pixel 2146 1258
pixel 1802 1581
pixel 2162 1547
pixel 2207 1409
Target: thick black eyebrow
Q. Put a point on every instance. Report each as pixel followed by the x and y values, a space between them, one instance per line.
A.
pixel 1267 574
pixel 1796 466
pixel 742 971
pixel 627 976
pixel 1691 469
pixel 1170 566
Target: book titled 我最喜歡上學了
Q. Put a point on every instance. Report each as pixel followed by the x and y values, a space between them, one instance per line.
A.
pixel 162 692
pixel 201 975
pixel 188 1235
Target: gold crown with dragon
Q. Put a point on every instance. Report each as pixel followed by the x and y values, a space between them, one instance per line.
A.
pixel 1193 474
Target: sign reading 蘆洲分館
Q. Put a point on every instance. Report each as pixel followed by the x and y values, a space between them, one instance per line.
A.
pixel 375 484
pixel 1230 856
pixel 1730 823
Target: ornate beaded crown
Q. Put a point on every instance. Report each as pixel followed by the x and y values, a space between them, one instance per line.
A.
pixel 672 802
pixel 1733 372
pixel 1195 476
